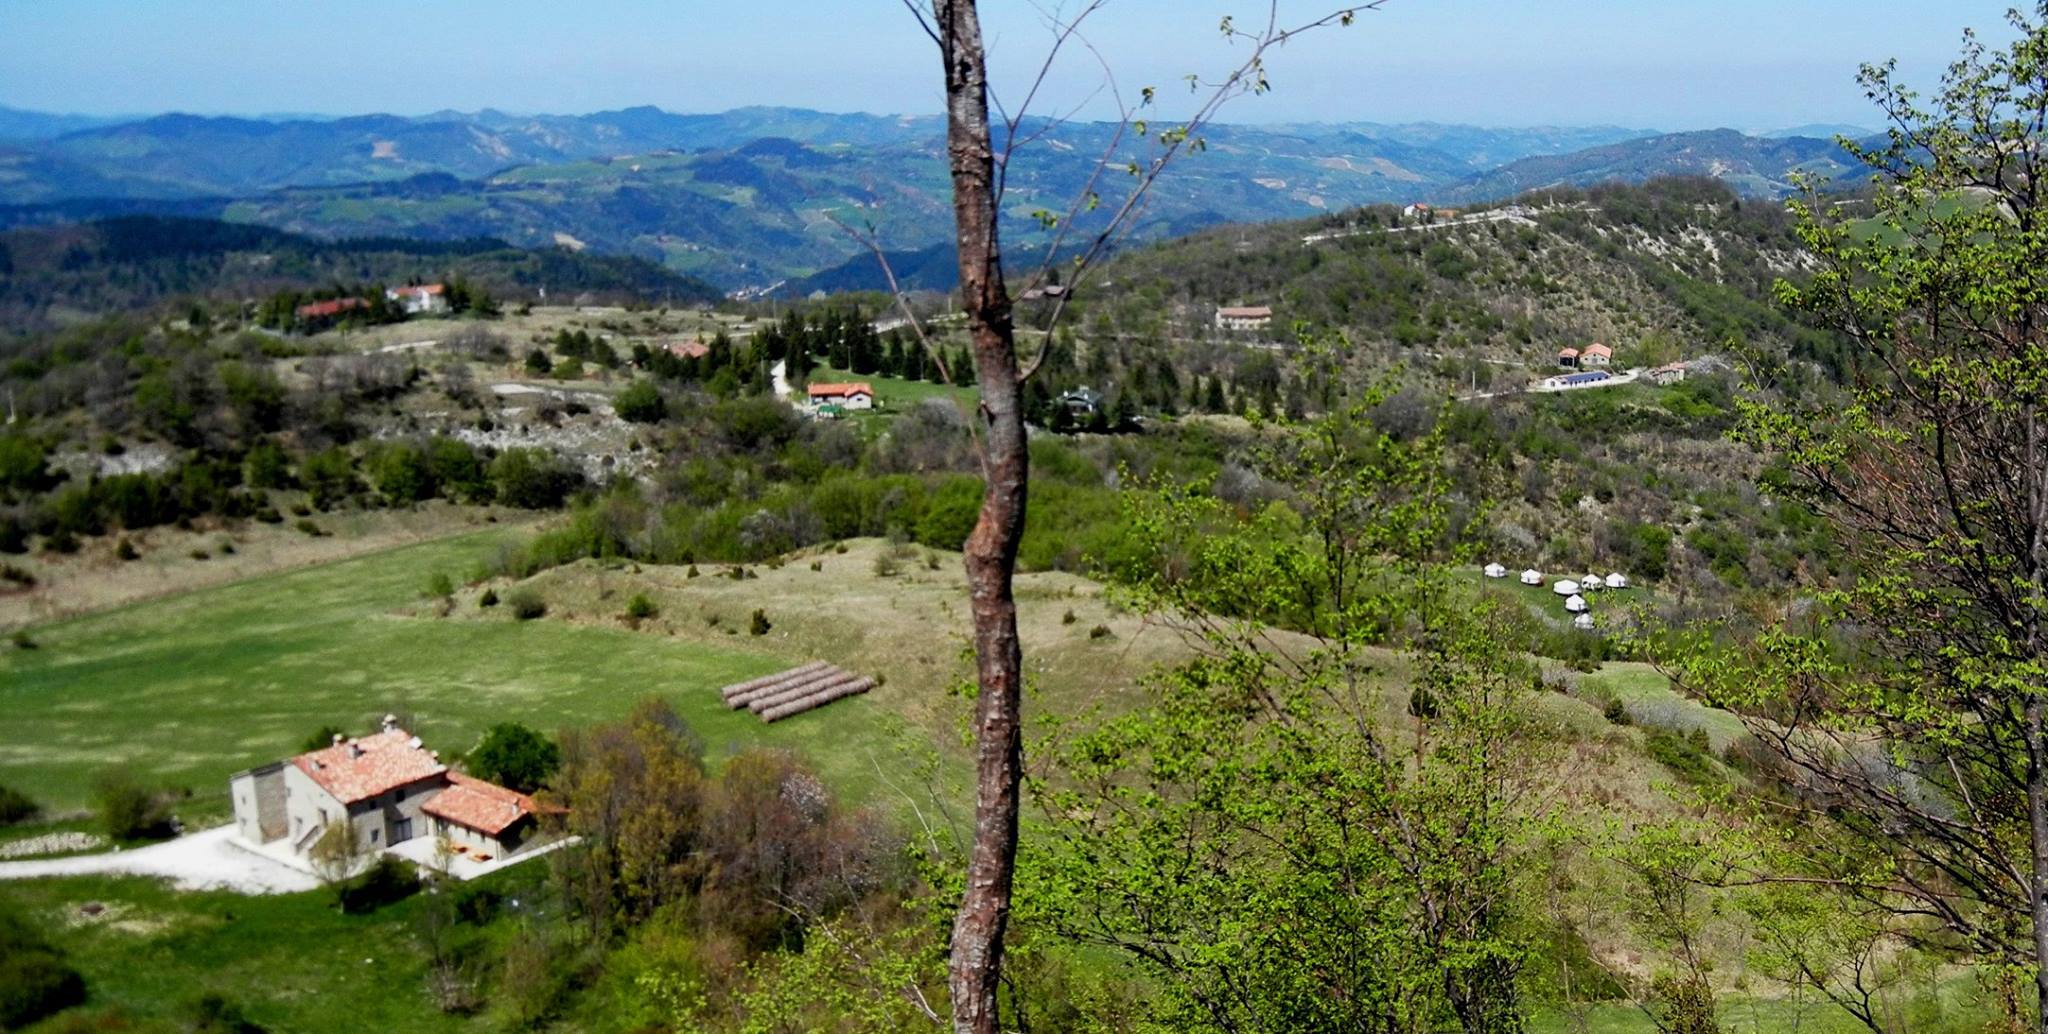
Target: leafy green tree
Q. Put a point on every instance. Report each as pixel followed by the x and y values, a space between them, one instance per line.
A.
pixel 1909 712
pixel 641 403
pixel 267 466
pixel 532 479
pixel 457 470
pixel 24 464
pixel 1262 790
pixel 538 364
pixel 403 472
pixel 514 755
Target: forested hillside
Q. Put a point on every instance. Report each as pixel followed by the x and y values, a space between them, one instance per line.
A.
pixel 137 262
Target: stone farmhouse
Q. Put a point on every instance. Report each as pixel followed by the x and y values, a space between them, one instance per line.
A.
pixel 390 787
pixel 856 395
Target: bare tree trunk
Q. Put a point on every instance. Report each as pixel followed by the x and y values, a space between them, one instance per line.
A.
pixel 977 950
pixel 2036 724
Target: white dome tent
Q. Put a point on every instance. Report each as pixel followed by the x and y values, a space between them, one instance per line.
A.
pixel 1617 580
pixel 1584 622
pixel 1565 588
pixel 1496 571
pixel 1591 583
pixel 1576 604
pixel 1532 577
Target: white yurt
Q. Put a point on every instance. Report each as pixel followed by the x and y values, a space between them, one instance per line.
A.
pixel 1496 571
pixel 1565 588
pixel 1617 580
pixel 1576 604
pixel 1584 622
pixel 1532 577
pixel 1591 583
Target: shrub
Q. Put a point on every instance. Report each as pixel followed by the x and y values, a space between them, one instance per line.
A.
pixel 62 541
pixel 488 599
pixel 1681 755
pixel 1100 632
pixel 22 640
pixel 15 806
pixel 35 979
pixel 215 1013
pixel 386 881
pixel 514 755
pixel 128 810
pixel 1616 711
pixel 758 624
pixel 306 526
pixel 18 575
pixel 1068 618
pixel 125 550
pixel 640 608
pixel 321 738
pixel 640 403
pixel 527 604
pixel 440 585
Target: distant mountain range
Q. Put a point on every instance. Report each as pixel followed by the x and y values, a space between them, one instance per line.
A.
pixel 760 196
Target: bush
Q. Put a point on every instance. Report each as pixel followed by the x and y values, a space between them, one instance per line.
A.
pixel 488 599
pixel 386 881
pixel 640 608
pixel 125 550
pixel 1100 632
pixel 22 640
pixel 307 527
pixel 321 738
pixel 440 586
pixel 215 1013
pixel 1616 711
pixel 35 979
pixel 1683 755
pixel 15 806
pixel 758 624
pixel 514 755
pixel 527 604
pixel 128 810
pixel 640 403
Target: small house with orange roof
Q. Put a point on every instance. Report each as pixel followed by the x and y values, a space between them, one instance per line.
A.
pixel 852 395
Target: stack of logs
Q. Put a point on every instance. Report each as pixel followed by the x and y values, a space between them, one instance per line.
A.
pixel 778 696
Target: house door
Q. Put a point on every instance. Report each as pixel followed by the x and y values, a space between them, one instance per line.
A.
pixel 401 831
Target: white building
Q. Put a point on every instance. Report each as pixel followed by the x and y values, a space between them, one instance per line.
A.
pixel 388 785
pixel 423 298
pixel 1565 588
pixel 1244 317
pixel 1532 577
pixel 1596 354
pixel 1575 604
pixel 1591 583
pixel 1617 580
pixel 857 395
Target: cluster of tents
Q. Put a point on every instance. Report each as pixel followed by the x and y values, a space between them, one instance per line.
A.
pixel 1574 592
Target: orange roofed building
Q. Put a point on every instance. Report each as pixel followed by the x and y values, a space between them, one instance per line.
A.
pixel 856 395
pixel 388 786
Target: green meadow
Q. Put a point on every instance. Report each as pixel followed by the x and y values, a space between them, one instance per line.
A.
pixel 190 689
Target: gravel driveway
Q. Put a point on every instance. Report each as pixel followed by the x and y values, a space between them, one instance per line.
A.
pixel 209 860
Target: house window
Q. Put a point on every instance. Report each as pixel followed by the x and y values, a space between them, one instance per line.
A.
pixel 401 793
pixel 374 834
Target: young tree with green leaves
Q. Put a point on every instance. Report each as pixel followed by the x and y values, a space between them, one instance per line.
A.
pixel 1911 707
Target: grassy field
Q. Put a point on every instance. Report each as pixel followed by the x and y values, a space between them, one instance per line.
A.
pixel 190 689
pixel 895 393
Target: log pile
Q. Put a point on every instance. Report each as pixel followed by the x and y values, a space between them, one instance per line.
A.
pixel 792 692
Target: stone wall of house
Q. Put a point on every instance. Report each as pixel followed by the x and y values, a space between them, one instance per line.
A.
pixel 259 796
pixel 378 820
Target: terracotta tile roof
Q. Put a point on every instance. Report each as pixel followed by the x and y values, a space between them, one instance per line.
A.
pixel 1564 353
pixel 330 308
pixel 841 390
pixel 422 290
pixel 690 349
pixel 1599 349
pixel 488 808
pixel 357 770
pixel 1248 312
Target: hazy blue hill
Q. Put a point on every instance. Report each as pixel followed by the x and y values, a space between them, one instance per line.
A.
pixel 1753 166
pixel 18 125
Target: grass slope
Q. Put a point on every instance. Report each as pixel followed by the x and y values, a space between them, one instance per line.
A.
pixel 193 688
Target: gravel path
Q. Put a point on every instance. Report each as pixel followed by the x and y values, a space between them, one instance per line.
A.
pixel 209 860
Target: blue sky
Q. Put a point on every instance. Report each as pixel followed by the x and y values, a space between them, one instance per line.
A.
pixel 1667 64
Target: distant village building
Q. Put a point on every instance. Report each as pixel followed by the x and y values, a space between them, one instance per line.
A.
pixel 1568 358
pixel 855 395
pixel 1419 210
pixel 389 787
pixel 692 349
pixel 424 298
pixel 1081 403
pixel 1596 354
pixel 1049 291
pixel 1244 317
pixel 1669 373
pixel 327 310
